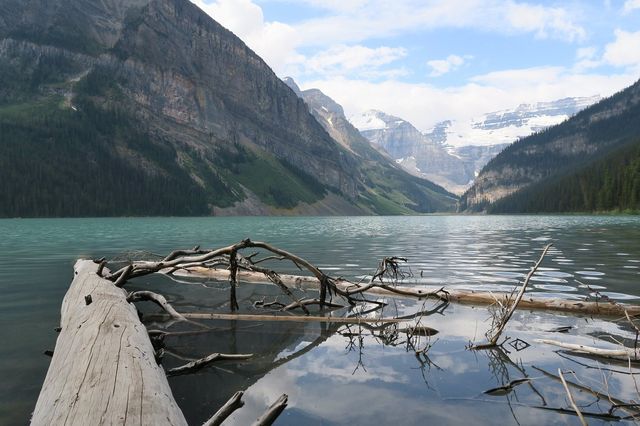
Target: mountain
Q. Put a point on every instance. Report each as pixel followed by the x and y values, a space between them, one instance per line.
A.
pixel 587 163
pixel 150 107
pixel 426 155
pixel 386 182
pixel 416 152
pixel 452 153
pixel 507 126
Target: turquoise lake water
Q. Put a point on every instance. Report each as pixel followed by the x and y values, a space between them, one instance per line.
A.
pixel 331 376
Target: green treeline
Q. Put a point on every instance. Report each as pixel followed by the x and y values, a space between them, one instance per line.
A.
pixel 606 185
pixel 59 162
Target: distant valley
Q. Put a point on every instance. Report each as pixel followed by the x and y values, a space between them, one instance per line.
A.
pixel 452 154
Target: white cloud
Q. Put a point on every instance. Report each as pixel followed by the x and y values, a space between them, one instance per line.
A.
pixel 275 42
pixel 424 105
pixel 543 21
pixel 624 51
pixel 630 5
pixel 586 52
pixel 358 21
pixel 442 66
pixel 586 58
pixel 349 22
pixel 342 59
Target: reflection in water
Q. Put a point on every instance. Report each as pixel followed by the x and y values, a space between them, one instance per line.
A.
pixel 384 374
pixel 393 386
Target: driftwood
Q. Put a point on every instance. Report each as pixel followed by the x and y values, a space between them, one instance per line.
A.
pixel 226 410
pixel 503 311
pixel 287 318
pixel 453 294
pixel 103 369
pixel 272 412
pixel 622 353
pixel 158 299
pixel 203 362
pixel 227 263
pixel 571 400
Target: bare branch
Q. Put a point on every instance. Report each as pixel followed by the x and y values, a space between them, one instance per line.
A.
pixel 203 362
pixel 571 400
pixel 226 410
pixel 273 412
pixel 158 299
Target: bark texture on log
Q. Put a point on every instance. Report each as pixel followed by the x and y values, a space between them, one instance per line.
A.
pixel 473 297
pixel 103 370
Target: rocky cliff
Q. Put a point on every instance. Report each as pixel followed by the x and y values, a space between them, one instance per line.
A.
pixel 385 180
pixel 423 155
pixel 188 105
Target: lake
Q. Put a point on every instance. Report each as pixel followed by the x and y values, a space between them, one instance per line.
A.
pixel 334 374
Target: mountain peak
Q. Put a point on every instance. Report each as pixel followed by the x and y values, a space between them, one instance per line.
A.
pixel 374 119
pixel 289 81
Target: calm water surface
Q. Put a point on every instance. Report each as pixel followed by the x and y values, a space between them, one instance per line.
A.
pixel 331 376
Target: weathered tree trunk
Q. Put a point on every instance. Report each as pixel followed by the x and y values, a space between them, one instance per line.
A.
pixel 474 297
pixel 103 369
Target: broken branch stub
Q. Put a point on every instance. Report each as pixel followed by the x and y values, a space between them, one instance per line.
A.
pixel 507 312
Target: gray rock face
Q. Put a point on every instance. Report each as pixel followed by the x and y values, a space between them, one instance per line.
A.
pixel 377 163
pixel 189 80
pixel 423 155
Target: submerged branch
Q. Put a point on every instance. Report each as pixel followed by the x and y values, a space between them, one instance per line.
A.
pixel 226 410
pixel 272 412
pixel 203 362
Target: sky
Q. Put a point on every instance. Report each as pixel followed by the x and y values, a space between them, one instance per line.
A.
pixel 432 60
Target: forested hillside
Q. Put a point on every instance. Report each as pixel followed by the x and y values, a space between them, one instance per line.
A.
pixel 611 184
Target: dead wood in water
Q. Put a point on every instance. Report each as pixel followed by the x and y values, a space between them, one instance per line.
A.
pixel 203 362
pixel 571 400
pixel 622 354
pixel 503 312
pixel 226 410
pixel 103 368
pixel 231 264
pixel 273 412
pixel 158 299
pixel 286 318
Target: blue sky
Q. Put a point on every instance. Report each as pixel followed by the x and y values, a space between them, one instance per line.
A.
pixel 430 60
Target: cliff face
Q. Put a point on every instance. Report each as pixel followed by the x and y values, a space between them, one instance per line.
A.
pixel 188 105
pixel 558 150
pixel 384 182
pixel 423 155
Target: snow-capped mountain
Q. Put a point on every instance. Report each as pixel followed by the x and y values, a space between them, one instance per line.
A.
pixel 453 153
pixel 507 126
pixel 420 154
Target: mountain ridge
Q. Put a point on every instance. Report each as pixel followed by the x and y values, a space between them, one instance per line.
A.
pixel 557 153
pixel 162 94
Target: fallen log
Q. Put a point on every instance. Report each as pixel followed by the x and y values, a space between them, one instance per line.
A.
pixel 103 369
pixel 279 318
pixel 621 353
pixel 453 294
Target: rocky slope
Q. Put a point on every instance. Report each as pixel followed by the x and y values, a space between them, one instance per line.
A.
pixel 558 151
pixel 418 153
pixel 452 153
pixel 385 180
pixel 157 94
pixel 427 155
